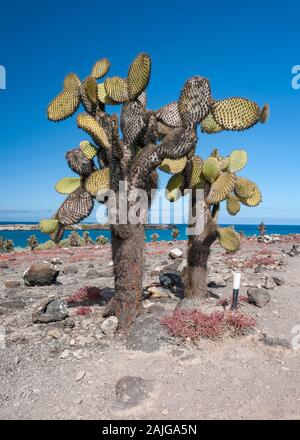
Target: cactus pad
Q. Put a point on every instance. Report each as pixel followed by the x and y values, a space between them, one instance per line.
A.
pixel 138 75
pixel 79 163
pixel 229 239
pixel 235 113
pixel 75 208
pixel 99 180
pixel 174 186
pixel 254 199
pixel 173 166
pixel 233 204
pixel 116 89
pixel 244 188
pixel 209 125
pixel 68 185
pixel 100 68
pixel 48 226
pixel 238 160
pixel 90 125
pixel 103 96
pixel 194 171
pixel 63 106
pixel 194 101
pixel 211 169
pixel 221 188
pixel 88 149
pixel 169 115
pixel 72 83
pixel 91 89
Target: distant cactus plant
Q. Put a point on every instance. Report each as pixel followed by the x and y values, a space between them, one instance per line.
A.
pixel 32 242
pixel 155 237
pixel 87 238
pixel 6 245
pixel 101 240
pixel 175 233
pixel 74 239
pixel 262 229
pixel 165 139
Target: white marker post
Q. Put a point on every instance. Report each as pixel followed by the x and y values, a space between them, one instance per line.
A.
pixel 236 288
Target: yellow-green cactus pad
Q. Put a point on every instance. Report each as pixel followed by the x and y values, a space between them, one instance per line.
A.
pixel 229 239
pixel 63 106
pixel 235 113
pixel 174 186
pixel 238 160
pixel 244 187
pixel 72 83
pixel 116 89
pixel 211 169
pixel 138 75
pixel 97 181
pixel 67 185
pixel 173 166
pixel 233 204
pixel 103 96
pixel 221 188
pixel 264 114
pixel 48 226
pixel 88 149
pixel 254 199
pixel 91 88
pixel 100 68
pixel 195 171
pixel 90 125
pixel 77 206
pixel 210 126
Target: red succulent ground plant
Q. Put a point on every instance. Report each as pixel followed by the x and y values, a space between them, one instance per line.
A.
pixel 84 296
pixel 83 311
pixel 194 324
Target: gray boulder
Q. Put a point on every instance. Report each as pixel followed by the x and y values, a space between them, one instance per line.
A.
pixel 50 311
pixel 40 274
pixel 258 297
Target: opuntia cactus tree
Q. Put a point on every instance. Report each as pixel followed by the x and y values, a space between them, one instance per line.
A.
pixel 218 179
pixel 129 149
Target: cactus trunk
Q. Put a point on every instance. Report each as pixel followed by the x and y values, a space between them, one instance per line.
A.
pixel 195 275
pixel 128 254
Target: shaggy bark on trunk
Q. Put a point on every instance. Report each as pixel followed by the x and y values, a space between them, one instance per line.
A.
pixel 128 256
pixel 195 276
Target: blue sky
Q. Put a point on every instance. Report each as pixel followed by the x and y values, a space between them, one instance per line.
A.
pixel 245 48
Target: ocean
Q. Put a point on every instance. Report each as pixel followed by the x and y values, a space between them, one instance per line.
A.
pixel 20 237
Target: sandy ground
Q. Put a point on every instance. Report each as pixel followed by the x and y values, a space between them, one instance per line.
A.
pixel 73 374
